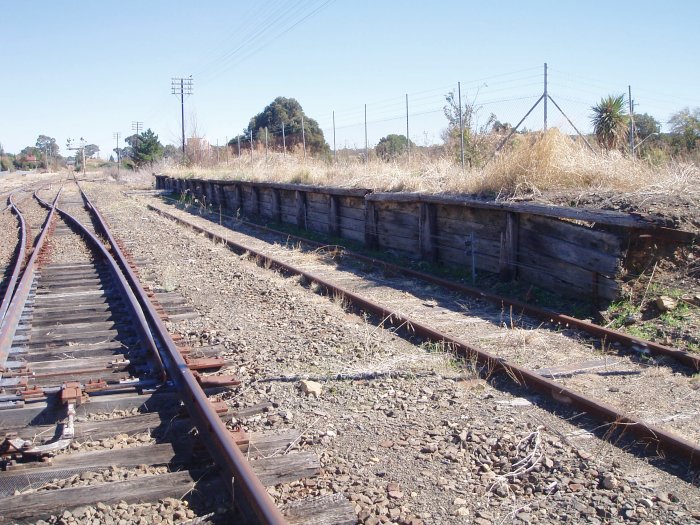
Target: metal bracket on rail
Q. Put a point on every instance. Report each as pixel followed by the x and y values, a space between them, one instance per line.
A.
pixel 215 381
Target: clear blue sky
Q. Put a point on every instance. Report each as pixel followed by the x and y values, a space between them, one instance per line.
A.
pixel 88 69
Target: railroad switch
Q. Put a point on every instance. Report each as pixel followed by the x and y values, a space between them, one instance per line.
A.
pixel 71 393
pixel 71 396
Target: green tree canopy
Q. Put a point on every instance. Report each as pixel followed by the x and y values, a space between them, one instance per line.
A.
pixel 685 128
pixel 289 112
pixel 610 122
pixel 145 148
pixel 46 143
pixel 91 150
pixel 646 125
pixel 392 146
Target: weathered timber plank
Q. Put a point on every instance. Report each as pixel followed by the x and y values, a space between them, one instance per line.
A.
pixel 396 242
pixel 508 257
pixel 70 351
pixel 289 467
pixel 578 368
pixel 551 281
pixel 353 234
pixel 45 413
pixel 316 226
pixel 320 216
pixel 66 365
pixel 570 273
pixel 355 225
pixel 66 465
pixel 462 259
pixel 573 253
pixel 40 318
pixel 141 489
pixel 275 205
pixel 460 227
pixel 300 204
pixel 93 335
pixel 371 218
pixel 53 283
pixel 597 240
pixel 427 231
pixel 333 216
pixel 611 218
pixel 355 192
pixel 315 198
pixel 333 509
pixel 94 303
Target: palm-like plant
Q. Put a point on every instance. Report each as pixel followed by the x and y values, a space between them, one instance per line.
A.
pixel 610 121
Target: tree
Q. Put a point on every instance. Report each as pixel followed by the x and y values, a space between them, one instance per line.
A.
pixel 645 126
pixel 610 123
pixel 172 152
pixel 91 150
pixel 392 146
pixel 473 133
pixel 47 144
pixel 146 148
pixel 685 129
pixel 289 112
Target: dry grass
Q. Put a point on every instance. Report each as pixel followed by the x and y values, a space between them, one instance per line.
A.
pixel 533 163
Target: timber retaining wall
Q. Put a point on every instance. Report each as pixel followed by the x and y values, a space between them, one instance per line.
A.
pixel 569 251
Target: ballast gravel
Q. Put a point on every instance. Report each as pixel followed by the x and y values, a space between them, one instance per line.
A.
pixel 405 432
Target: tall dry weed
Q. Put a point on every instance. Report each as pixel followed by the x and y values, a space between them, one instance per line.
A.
pixel 532 163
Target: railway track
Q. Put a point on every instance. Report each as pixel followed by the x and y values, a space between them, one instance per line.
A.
pixel 103 409
pixel 574 378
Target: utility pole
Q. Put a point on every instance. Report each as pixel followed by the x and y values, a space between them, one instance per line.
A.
pixel 408 140
pixel 251 144
pixel 239 146
pixel 116 135
pixel 631 108
pixel 182 87
pixel 366 142
pixel 546 96
pixel 284 143
pixel 461 124
pixel 138 128
pixel 303 136
pixel 335 151
pixel 266 152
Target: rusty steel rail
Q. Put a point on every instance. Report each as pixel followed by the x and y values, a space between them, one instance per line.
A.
pixel 608 334
pixel 132 303
pixel 19 260
pixel 12 316
pixel 222 447
pixel 651 435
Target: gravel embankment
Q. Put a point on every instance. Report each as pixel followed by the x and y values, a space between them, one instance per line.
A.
pixel 421 441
